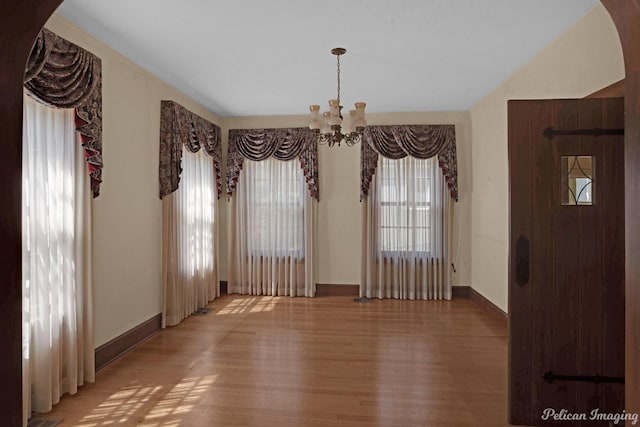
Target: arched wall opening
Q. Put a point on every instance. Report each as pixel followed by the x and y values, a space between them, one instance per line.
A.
pixel 20 22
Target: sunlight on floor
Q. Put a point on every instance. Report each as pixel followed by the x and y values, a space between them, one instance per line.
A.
pixel 265 304
pixel 181 399
pixel 119 406
pixel 149 406
pixel 252 305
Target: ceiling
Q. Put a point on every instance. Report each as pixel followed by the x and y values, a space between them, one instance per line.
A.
pixel 258 57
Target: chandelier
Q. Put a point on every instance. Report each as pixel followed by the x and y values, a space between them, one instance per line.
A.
pixel 328 126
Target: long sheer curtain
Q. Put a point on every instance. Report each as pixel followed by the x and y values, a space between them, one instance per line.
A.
pixel 407 231
pixel 189 242
pixel 270 241
pixel 58 346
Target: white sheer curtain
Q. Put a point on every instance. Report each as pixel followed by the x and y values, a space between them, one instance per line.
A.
pixel 189 240
pixel 271 230
pixel 58 347
pixel 407 231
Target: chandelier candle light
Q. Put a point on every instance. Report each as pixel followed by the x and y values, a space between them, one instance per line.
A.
pixel 328 126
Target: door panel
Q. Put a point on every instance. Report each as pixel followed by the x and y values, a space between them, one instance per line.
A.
pixel 569 317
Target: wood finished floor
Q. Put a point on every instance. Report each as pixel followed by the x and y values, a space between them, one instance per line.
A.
pixel 263 361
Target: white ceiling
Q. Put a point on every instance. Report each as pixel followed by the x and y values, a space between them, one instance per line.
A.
pixel 259 57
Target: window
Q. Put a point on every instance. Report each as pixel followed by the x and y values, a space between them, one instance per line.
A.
pixel 275 192
pixel 196 206
pixel 271 230
pixel 58 350
pixel 189 243
pixel 577 180
pixel 405 189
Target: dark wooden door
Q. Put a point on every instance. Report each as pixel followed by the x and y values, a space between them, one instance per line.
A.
pixel 566 259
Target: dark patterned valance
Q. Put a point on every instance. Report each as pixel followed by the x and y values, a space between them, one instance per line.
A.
pixel 419 141
pixel 61 74
pixel 178 127
pixel 282 144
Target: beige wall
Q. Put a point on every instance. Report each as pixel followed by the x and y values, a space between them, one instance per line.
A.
pixel 339 213
pixel 586 58
pixel 127 214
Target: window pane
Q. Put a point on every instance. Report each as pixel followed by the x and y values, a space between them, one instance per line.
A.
pixel 404 188
pixel 275 193
pixel 577 180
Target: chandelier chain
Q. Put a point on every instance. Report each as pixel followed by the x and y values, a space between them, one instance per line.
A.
pixel 338 56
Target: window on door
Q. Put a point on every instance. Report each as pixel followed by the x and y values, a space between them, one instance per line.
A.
pixel 577 180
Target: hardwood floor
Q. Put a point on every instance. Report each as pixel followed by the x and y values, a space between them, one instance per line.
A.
pixel 263 361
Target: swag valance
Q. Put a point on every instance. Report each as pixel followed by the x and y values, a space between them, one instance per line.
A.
pixel 61 74
pixel 178 127
pixel 419 141
pixel 282 144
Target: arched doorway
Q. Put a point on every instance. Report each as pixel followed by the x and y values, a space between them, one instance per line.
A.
pixel 20 22
pixel 626 15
